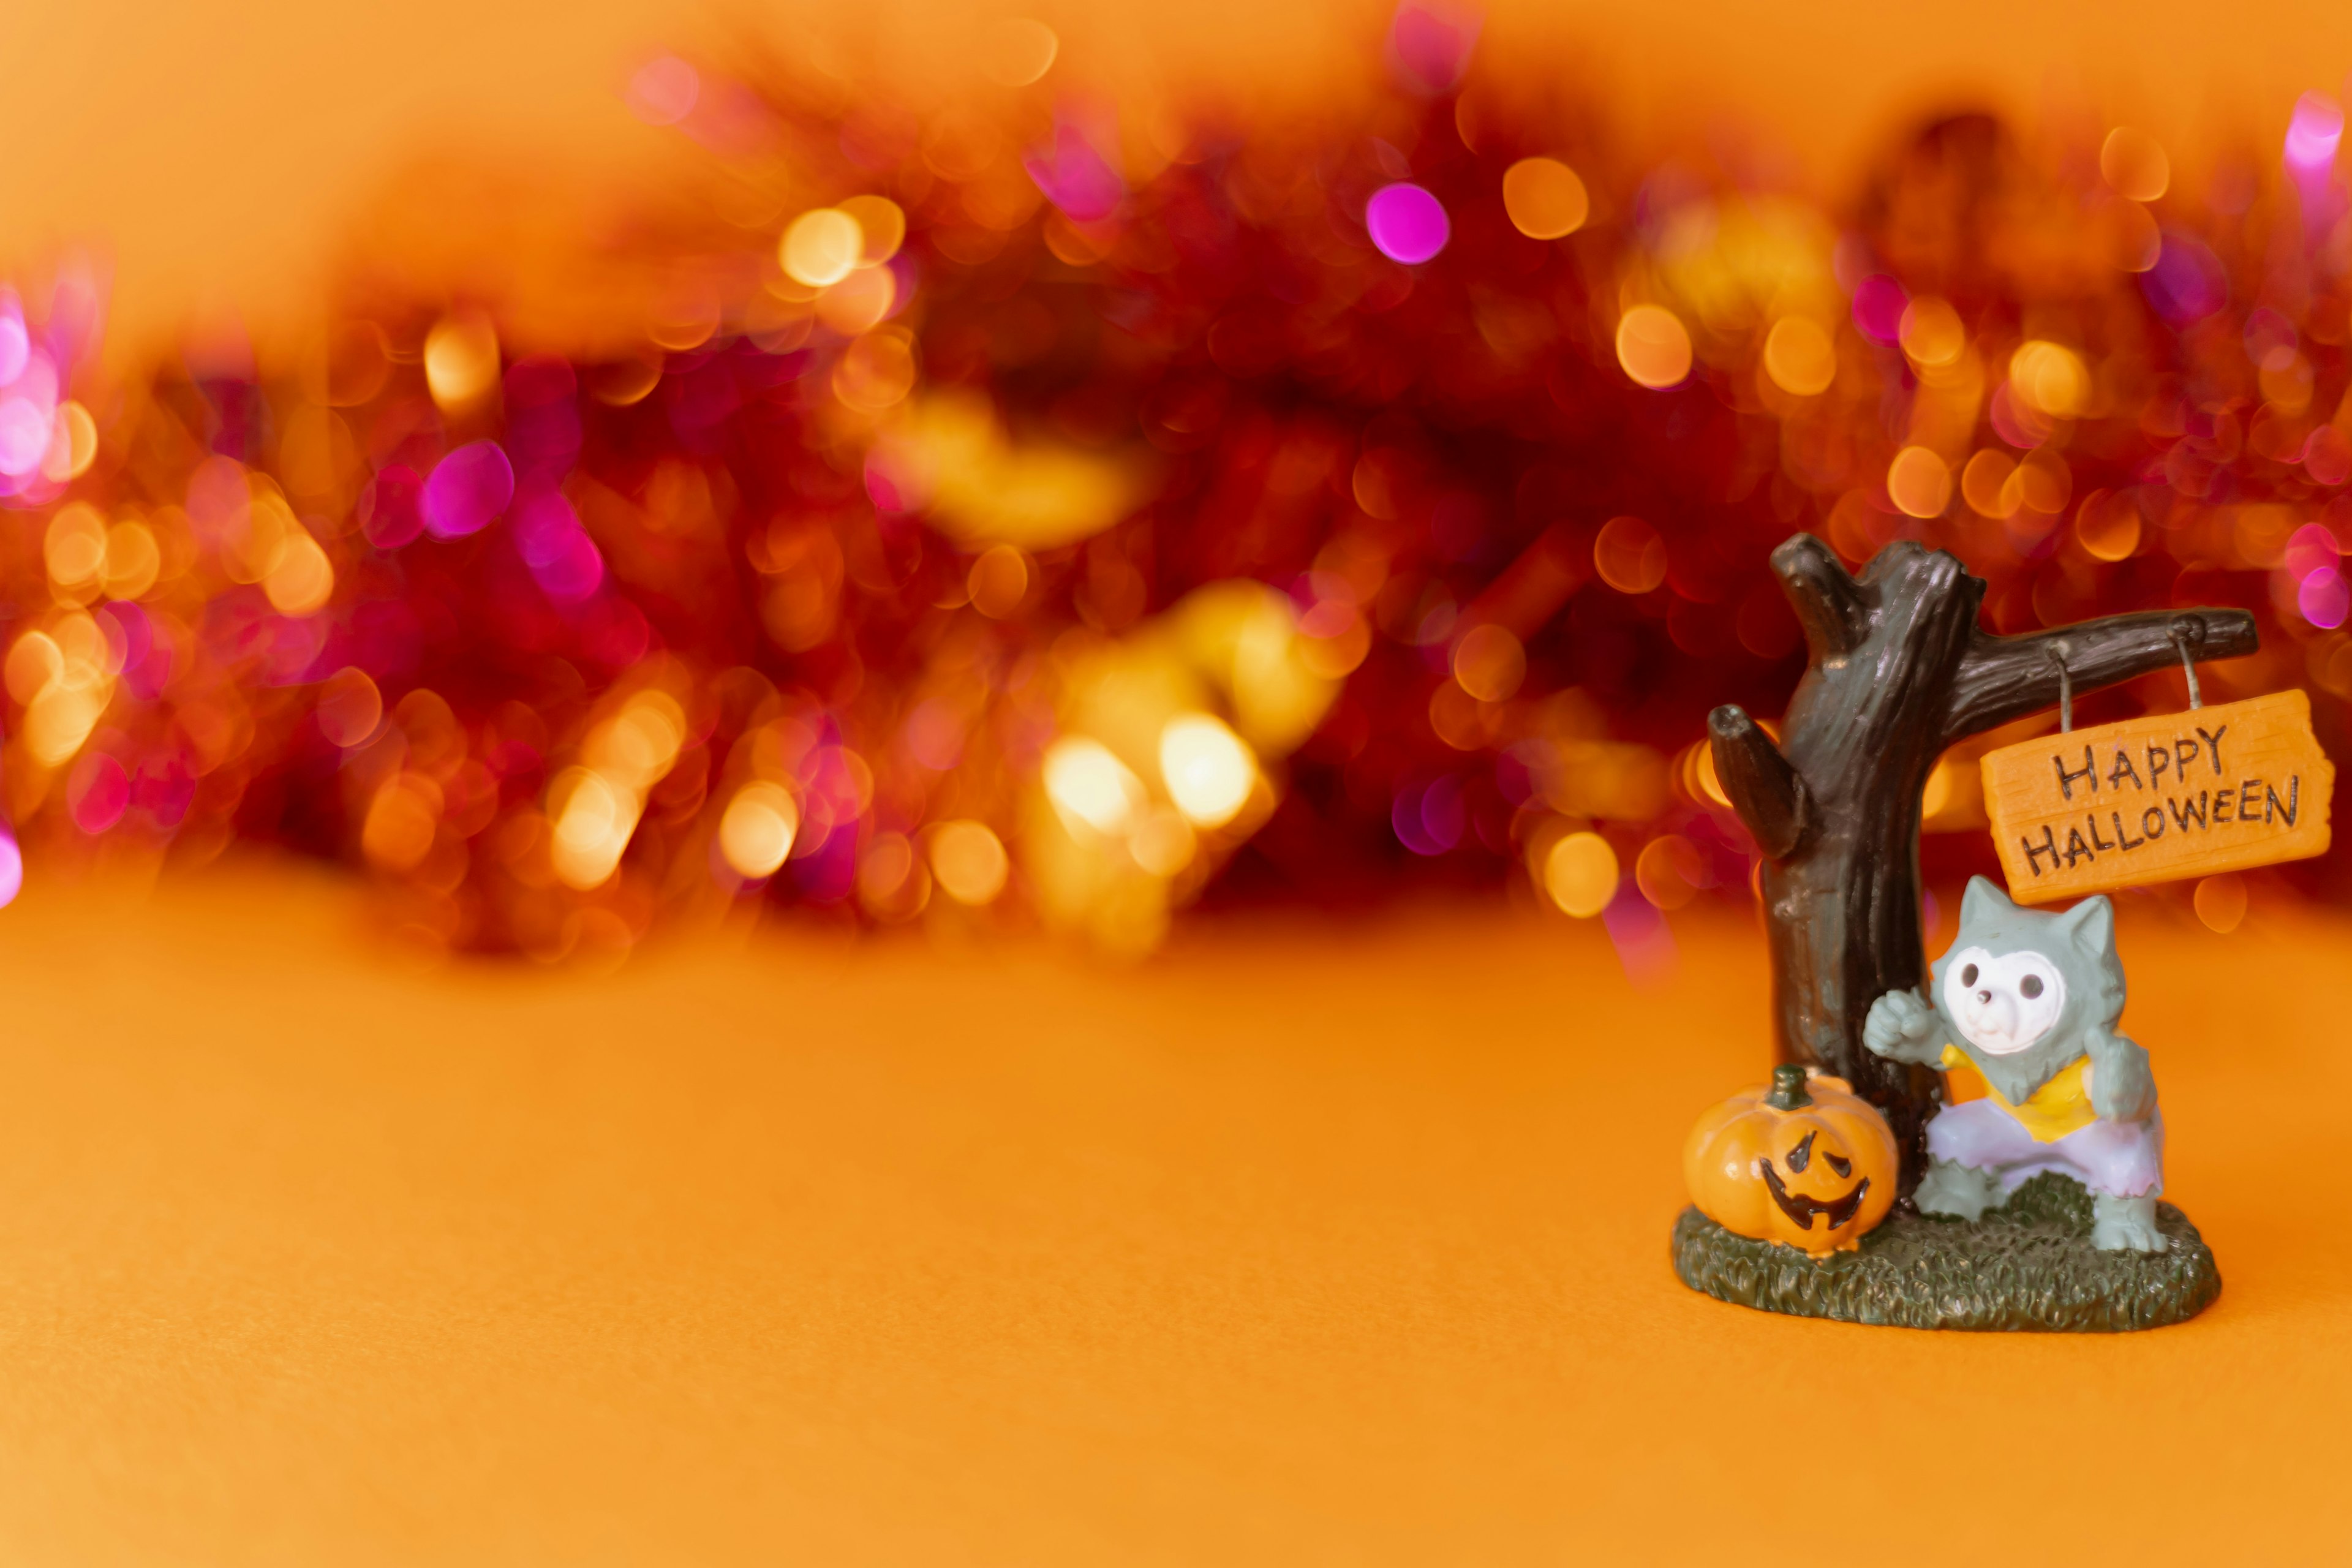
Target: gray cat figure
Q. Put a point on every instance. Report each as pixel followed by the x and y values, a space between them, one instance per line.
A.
pixel 2031 999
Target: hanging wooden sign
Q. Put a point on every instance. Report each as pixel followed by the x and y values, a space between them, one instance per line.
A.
pixel 2160 797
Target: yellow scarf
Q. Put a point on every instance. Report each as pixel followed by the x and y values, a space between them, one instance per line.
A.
pixel 2058 1107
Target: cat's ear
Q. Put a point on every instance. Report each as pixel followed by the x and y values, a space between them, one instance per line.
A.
pixel 1982 901
pixel 2091 924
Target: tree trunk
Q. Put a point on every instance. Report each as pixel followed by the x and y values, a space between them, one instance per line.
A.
pixel 1898 671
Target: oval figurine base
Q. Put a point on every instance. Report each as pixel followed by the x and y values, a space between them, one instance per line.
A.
pixel 2028 1266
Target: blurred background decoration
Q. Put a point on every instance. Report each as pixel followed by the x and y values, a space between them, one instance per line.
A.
pixel 1048 507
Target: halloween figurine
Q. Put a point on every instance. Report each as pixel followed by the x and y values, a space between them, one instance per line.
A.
pixel 2023 1190
pixel 2023 1014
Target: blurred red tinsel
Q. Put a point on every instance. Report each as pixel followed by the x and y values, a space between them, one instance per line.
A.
pixel 1061 517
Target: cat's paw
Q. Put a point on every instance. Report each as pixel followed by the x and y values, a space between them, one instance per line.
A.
pixel 1899 1027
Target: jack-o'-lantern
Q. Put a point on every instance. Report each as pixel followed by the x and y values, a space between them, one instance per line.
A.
pixel 1805 1161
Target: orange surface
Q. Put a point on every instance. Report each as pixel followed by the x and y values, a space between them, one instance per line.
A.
pixel 1296 1245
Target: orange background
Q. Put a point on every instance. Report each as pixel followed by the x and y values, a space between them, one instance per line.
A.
pixel 224 153
pixel 1300 1243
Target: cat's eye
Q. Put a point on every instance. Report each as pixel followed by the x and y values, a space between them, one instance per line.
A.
pixel 2030 986
pixel 1969 975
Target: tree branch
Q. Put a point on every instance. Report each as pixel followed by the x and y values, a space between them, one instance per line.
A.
pixel 1831 607
pixel 2000 679
pixel 1769 794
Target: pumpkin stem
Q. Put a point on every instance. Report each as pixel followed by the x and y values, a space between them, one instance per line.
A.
pixel 1787 1088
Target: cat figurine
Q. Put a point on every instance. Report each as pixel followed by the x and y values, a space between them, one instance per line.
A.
pixel 2028 1002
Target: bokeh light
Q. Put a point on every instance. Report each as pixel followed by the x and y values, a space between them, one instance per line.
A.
pixel 1800 357
pixel 2134 163
pixel 1019 50
pixel 1580 874
pixel 1090 786
pixel 2313 132
pixel 349 707
pixel 1407 224
pixel 1919 482
pixel 822 247
pixel 1629 555
pixel 1545 198
pixel 461 361
pixel 881 227
pixel 1654 347
pixel 1490 663
pixel 970 862
pixel 2220 902
pixel 2051 378
pixel 757 830
pixel 1208 769
pixel 1931 333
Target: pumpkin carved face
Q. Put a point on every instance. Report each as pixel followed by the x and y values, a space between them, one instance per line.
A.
pixel 1805 1161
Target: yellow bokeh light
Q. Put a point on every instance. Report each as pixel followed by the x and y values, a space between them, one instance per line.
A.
pixel 461 361
pixel 1209 770
pixel 1932 333
pixel 986 488
pixel 133 560
pixel 594 818
pixel 969 861
pixel 1018 50
pixel 75 446
pixel 822 247
pixel 1654 347
pixel 2134 164
pixel 60 718
pixel 1919 482
pixel 2051 378
pixel 757 831
pixel 1489 663
pixel 638 745
pixel 302 579
pixel 34 662
pixel 881 227
pixel 66 678
pixel 1580 874
pixel 1800 357
pixel 1545 198
pixel 74 549
pixel 1090 787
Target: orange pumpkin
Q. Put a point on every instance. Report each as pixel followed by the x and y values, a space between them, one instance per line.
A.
pixel 1806 1162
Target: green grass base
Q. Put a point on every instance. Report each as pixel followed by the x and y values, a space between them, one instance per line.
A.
pixel 2028 1266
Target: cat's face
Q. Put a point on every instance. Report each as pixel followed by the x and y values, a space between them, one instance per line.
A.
pixel 2003 1004
pixel 2021 991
